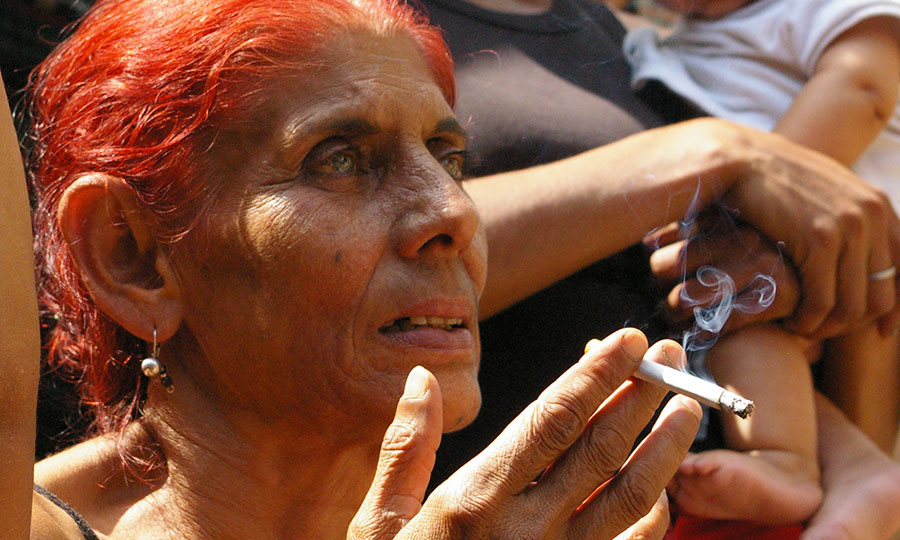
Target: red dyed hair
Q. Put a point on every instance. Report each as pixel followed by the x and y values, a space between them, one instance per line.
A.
pixel 139 91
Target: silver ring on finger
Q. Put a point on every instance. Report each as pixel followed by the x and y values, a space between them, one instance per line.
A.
pixel 887 273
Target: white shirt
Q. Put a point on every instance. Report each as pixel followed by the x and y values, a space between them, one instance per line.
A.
pixel 749 65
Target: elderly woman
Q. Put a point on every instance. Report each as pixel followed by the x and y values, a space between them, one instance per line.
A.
pixel 251 230
pixel 252 233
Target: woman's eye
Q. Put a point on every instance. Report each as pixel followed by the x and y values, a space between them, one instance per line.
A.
pixel 341 162
pixel 453 163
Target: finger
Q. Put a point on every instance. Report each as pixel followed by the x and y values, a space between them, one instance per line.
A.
pixel 669 263
pixel 608 440
pixel 881 293
pixel 405 462
pixel 818 278
pixel 852 286
pixel 718 243
pixel 652 526
pixel 889 323
pixel 547 427
pixel 633 491
pixel 665 235
pixel 765 293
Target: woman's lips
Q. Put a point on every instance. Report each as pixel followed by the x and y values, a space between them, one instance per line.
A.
pixel 406 324
pixel 432 332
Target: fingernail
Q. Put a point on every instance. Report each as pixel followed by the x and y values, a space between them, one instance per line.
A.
pixel 416 383
pixel 633 346
pixel 591 344
pixel 690 404
pixel 665 257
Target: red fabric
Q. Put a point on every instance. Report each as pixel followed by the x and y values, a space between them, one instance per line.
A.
pixel 695 528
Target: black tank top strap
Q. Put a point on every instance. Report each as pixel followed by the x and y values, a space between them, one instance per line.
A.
pixel 83 526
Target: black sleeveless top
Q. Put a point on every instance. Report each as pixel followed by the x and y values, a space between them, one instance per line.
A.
pixel 532 89
pixel 83 526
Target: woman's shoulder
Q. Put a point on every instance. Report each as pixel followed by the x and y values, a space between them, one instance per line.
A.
pixel 51 521
pixel 85 483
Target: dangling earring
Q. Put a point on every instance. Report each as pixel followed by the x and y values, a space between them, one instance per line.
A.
pixel 151 366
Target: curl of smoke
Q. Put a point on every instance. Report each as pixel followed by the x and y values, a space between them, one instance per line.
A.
pixel 710 320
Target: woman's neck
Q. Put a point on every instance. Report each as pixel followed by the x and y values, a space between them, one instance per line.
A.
pixel 219 474
pixel 520 7
pixel 236 474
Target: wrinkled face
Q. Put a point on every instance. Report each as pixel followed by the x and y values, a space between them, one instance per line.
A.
pixel 341 250
pixel 706 9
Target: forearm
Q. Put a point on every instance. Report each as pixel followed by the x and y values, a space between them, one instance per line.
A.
pixel 852 93
pixel 20 342
pixel 546 222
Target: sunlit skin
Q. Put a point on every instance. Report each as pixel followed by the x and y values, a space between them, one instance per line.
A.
pixel 347 214
pixel 704 9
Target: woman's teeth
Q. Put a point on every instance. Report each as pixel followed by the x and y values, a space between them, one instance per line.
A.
pixel 411 323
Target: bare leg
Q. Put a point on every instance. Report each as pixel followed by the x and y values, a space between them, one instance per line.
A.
pixel 861 375
pixel 770 473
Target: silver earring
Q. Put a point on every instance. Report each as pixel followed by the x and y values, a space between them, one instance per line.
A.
pixel 151 366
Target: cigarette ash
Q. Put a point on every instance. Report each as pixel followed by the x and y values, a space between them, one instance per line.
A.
pixel 740 406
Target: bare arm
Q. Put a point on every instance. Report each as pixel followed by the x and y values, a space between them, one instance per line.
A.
pixel 19 338
pixel 851 94
pixel 547 222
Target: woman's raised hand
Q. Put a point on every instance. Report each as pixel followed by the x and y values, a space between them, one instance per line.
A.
pixel 564 468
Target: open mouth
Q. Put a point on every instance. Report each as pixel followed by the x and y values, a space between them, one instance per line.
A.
pixel 411 323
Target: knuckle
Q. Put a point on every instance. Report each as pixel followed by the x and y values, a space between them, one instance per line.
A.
pixel 466 512
pixel 853 221
pixel 600 456
pixel 635 495
pixel 876 206
pixel 399 438
pixel 558 420
pixel 824 232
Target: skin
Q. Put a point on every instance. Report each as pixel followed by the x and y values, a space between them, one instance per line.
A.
pixel 19 350
pixel 304 413
pixel 704 9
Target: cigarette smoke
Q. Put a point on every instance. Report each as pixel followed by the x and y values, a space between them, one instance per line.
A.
pixel 710 320
pixel 720 298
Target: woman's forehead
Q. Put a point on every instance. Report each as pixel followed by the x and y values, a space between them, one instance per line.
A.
pixel 361 84
pixel 364 81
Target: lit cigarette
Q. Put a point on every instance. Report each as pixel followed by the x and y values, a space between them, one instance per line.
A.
pixel 692 386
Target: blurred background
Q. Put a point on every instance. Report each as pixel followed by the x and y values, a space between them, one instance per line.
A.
pixel 28 30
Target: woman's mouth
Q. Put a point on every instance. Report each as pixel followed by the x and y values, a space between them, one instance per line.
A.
pixel 406 324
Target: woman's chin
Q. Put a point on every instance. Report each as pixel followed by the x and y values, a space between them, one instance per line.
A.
pixel 462 401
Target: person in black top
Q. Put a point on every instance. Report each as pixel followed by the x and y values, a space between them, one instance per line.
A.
pixel 540 82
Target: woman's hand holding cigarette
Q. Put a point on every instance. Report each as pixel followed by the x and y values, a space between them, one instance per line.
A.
pixel 576 437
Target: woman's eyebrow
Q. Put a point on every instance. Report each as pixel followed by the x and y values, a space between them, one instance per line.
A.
pixel 450 125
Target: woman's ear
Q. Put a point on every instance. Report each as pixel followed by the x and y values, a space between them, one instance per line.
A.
pixel 126 273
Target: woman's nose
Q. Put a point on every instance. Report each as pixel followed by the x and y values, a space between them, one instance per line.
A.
pixel 442 221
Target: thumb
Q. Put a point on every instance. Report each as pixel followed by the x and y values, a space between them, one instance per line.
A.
pixel 405 462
